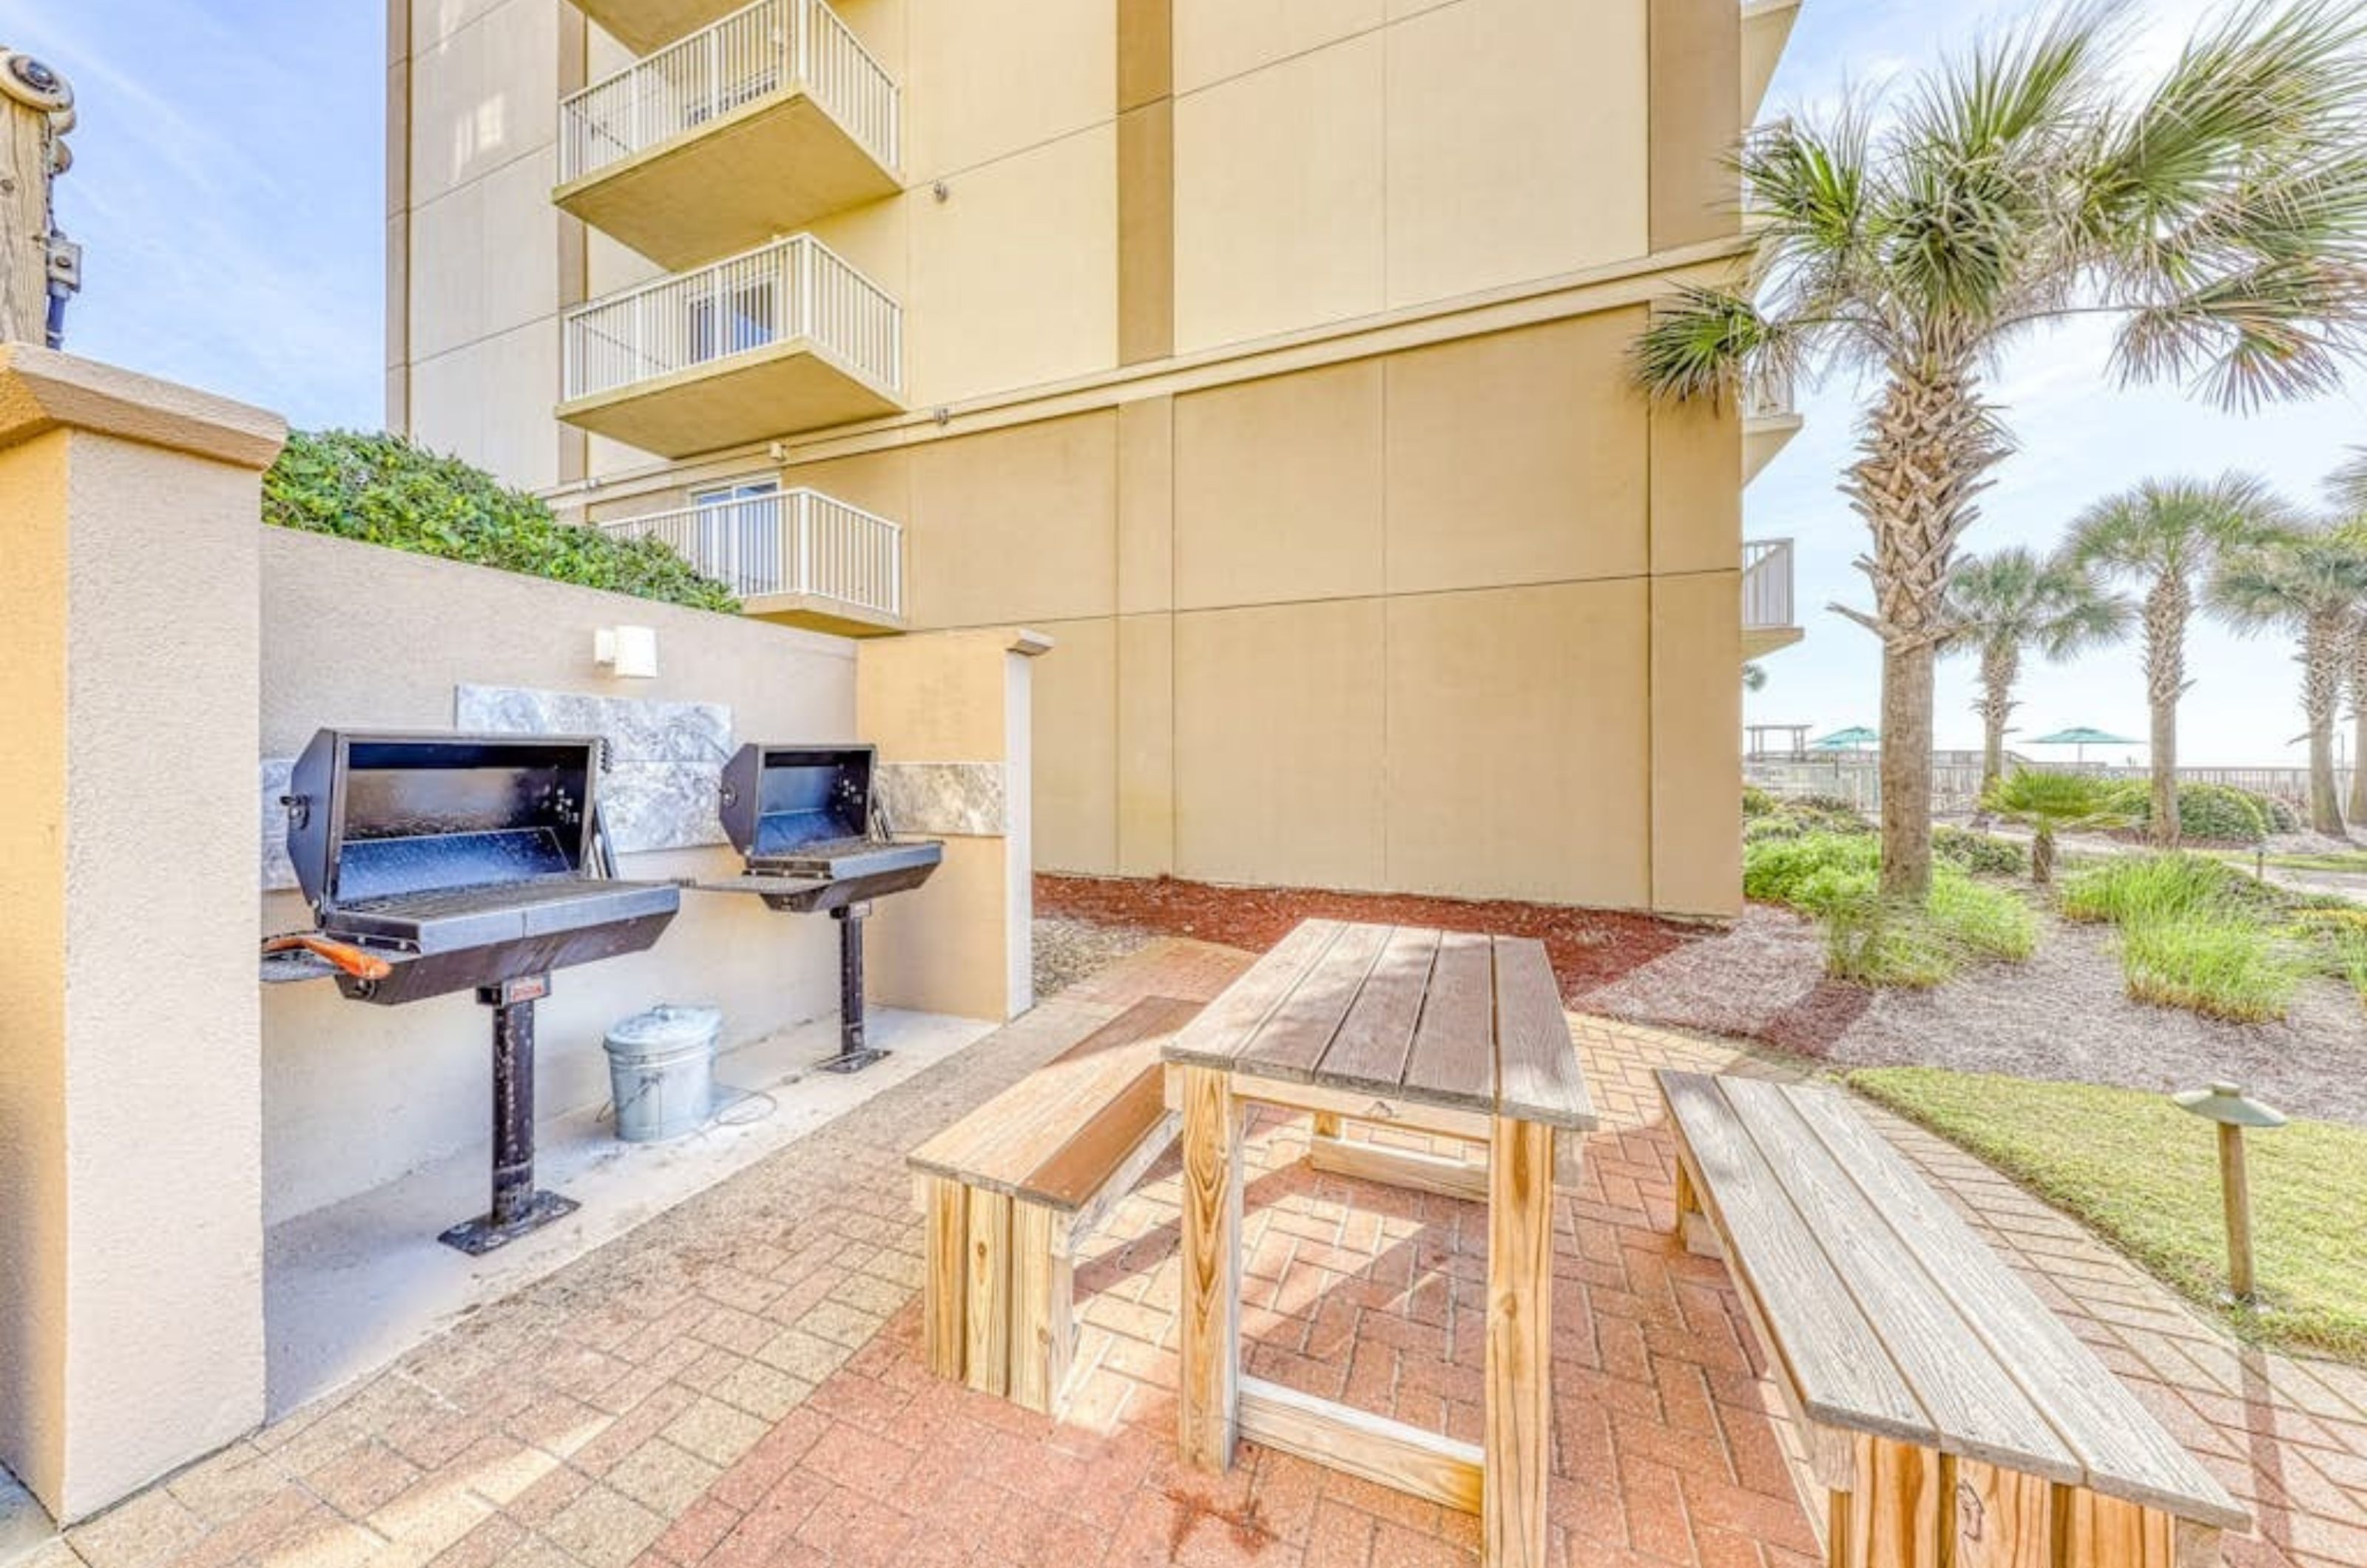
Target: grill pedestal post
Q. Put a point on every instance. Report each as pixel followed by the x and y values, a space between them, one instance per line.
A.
pixel 518 1208
pixel 854 1053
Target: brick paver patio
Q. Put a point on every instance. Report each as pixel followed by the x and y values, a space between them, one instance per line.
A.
pixel 737 1383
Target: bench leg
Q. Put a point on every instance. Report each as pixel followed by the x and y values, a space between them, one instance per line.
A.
pixel 946 1292
pixel 1042 1290
pixel 1693 1227
pixel 986 1328
pixel 1518 1437
pixel 1208 1402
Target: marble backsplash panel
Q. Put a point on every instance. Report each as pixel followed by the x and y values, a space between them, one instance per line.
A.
pixel 666 761
pixel 963 799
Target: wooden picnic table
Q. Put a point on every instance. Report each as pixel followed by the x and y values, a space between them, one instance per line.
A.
pixel 1443 1032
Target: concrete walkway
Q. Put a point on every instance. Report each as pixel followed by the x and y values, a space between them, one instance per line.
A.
pixel 737 1381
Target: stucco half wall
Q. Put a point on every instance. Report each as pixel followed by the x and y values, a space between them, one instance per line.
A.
pixel 358 637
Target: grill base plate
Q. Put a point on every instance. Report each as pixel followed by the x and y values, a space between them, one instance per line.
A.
pixel 484 1233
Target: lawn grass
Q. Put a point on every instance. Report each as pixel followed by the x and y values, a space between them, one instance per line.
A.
pixel 2333 860
pixel 2145 1175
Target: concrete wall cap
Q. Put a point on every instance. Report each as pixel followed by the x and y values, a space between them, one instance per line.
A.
pixel 41 391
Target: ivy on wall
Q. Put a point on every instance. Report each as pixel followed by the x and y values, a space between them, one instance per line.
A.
pixel 381 490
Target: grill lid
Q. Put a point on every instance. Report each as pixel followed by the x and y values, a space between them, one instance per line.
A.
pixel 374 817
pixel 779 800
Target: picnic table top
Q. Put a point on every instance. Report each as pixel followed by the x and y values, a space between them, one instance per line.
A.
pixel 1892 1317
pixel 1452 1019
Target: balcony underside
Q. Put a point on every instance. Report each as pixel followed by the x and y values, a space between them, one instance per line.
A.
pixel 1757 642
pixel 643 26
pixel 819 612
pixel 780 390
pixel 1764 435
pixel 764 169
pixel 1766 28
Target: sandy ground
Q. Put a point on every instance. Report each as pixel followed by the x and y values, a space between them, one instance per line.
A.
pixel 2062 1015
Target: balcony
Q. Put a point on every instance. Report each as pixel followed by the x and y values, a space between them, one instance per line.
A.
pixel 753 127
pixel 785 338
pixel 1766 28
pixel 1769 619
pixel 1770 419
pixel 801 557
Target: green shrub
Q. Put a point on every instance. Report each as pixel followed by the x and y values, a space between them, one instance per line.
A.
pixel 381 490
pixel 1835 878
pixel 2215 813
pixel 1775 869
pixel 1877 942
pixel 2220 812
pixel 2133 889
pixel 2278 812
pixel 2211 962
pixel 1984 854
pixel 1757 802
pixel 1983 921
pixel 2339 937
pixel 1755 829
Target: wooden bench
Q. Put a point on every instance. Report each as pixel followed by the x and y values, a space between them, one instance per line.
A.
pixel 1011 1191
pixel 1942 1414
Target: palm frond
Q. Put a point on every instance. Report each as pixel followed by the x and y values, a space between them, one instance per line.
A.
pixel 2287 329
pixel 2172 526
pixel 2347 486
pixel 1698 344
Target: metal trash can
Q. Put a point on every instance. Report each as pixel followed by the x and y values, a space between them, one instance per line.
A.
pixel 662 1071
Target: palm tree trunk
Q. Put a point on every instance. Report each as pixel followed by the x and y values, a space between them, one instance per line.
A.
pixel 2167 606
pixel 2041 854
pixel 1907 770
pixel 1921 463
pixel 2001 665
pixel 2359 721
pixel 2324 653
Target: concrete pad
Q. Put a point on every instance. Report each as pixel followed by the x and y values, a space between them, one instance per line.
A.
pixel 351 1287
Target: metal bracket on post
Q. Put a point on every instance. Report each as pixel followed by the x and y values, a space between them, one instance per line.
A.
pixel 854 1053
pixel 518 1208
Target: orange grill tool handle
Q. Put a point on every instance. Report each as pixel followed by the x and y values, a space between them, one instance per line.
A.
pixel 351 960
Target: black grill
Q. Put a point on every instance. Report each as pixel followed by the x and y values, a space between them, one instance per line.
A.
pixel 811 832
pixel 467 862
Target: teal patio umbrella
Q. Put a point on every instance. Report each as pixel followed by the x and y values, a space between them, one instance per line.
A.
pixel 1850 740
pixel 2081 736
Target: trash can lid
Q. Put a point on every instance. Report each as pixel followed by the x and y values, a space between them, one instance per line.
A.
pixel 667 1024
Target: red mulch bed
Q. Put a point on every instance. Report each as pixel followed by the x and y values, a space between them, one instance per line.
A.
pixel 1589 947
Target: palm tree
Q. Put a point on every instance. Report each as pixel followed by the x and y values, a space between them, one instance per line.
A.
pixel 2218 218
pixel 2048 804
pixel 1754 677
pixel 2347 488
pixel 2008 601
pixel 2163 536
pixel 2309 581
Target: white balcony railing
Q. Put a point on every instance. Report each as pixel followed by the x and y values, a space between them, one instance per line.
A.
pixel 1767 583
pixel 799 541
pixel 765 48
pixel 797 288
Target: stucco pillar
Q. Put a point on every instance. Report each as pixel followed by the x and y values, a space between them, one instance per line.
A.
pixel 131 1151
pixel 949 711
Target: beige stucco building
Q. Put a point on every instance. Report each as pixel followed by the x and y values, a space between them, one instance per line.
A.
pixel 1266 355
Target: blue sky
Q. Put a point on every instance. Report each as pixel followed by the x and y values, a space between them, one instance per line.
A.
pixel 228 189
